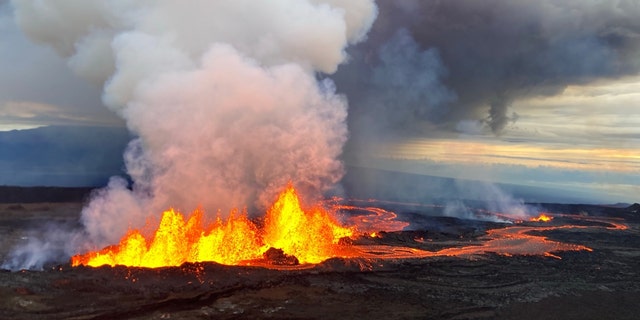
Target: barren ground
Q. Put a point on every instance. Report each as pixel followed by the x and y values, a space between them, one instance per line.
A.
pixel 602 284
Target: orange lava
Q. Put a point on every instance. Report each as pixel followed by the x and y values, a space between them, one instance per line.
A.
pixel 310 235
pixel 517 241
pixel 313 235
pixel 542 218
pixel 375 219
pixel 507 241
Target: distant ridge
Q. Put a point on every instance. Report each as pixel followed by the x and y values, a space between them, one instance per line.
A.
pixel 62 156
pixel 10 194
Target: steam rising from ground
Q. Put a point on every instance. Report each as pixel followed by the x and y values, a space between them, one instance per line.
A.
pixel 498 202
pixel 43 245
pixel 222 95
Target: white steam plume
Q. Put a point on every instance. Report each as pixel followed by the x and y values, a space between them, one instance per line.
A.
pixel 495 199
pixel 222 95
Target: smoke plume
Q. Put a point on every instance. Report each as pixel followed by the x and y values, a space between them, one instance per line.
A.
pixel 485 54
pixel 42 246
pixel 222 96
pixel 493 198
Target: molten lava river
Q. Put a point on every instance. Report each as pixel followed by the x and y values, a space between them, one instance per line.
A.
pixel 290 236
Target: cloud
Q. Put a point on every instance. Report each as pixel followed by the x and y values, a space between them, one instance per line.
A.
pixel 491 54
pixel 34 79
pixel 496 152
pixel 597 115
pixel 33 114
pixel 470 127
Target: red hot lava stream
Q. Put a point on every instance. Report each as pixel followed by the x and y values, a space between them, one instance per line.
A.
pixel 307 235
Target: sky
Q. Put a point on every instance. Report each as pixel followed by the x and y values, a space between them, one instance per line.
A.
pixel 37 88
pixel 543 94
pixel 584 139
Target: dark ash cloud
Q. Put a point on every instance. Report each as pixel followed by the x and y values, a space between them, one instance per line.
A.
pixel 483 56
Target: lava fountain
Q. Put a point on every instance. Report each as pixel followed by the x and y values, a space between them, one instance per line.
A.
pixel 290 234
pixel 311 235
pixel 541 218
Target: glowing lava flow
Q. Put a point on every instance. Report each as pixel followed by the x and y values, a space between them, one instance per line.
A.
pixel 371 219
pixel 311 236
pixel 516 241
pixel 542 218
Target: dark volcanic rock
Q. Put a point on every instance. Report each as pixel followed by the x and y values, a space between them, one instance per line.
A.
pixel 278 257
pixel 43 194
pixel 599 284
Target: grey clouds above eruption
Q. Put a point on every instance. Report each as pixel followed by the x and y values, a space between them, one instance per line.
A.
pixel 482 56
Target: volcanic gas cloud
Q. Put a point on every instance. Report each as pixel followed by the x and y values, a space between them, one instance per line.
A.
pixel 223 96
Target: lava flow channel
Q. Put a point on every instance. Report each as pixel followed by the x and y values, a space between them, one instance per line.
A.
pixel 508 241
pixel 517 241
pixel 312 236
